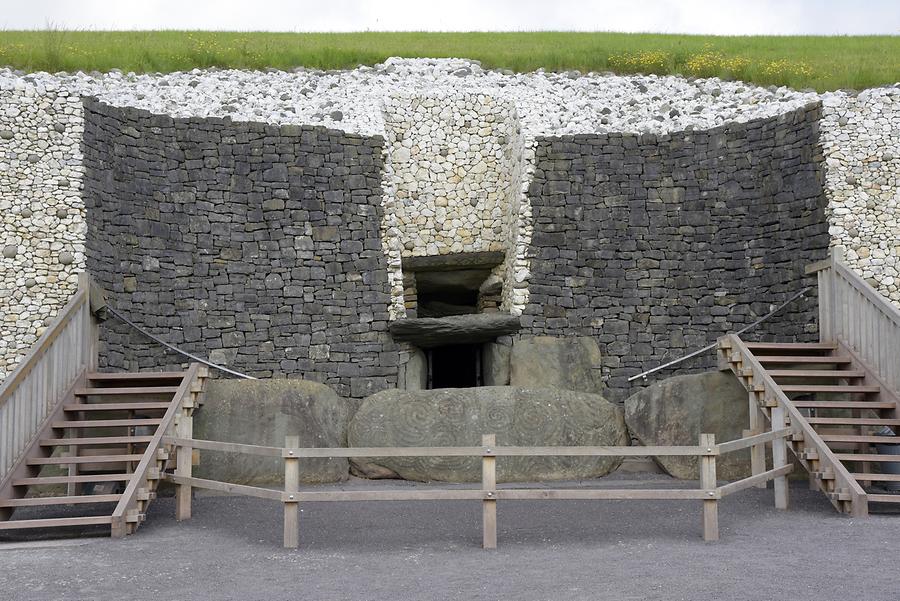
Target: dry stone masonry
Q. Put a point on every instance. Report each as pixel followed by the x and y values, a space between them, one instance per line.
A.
pixel 655 245
pixel 861 138
pixel 264 218
pixel 255 244
pixel 41 211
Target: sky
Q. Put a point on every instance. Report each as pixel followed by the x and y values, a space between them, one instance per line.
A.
pixel 725 17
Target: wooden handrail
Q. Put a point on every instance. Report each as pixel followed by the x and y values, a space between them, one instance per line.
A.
pixel 496 451
pixel 854 313
pixel 38 386
pixel 866 289
pixel 129 499
pixel 68 312
pixel 798 421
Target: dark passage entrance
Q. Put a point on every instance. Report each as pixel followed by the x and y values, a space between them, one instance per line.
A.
pixel 457 366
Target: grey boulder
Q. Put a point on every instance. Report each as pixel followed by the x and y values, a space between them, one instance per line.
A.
pixel 571 363
pixel 264 412
pixel 677 410
pixel 459 417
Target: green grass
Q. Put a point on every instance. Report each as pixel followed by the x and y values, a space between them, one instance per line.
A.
pixel 823 63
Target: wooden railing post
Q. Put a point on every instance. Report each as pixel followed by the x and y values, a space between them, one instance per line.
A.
pixel 91 341
pixel 779 457
pixel 489 487
pixel 184 428
pixel 291 487
pixel 708 483
pixel 757 426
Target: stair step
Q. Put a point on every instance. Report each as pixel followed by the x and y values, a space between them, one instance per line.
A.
pixel 100 440
pixel 860 438
pixel 877 477
pixel 816 373
pixel 828 388
pixel 853 421
pixel 802 359
pixel 74 500
pixel 867 457
pixel 843 404
pixel 137 390
pixel 791 346
pixel 106 423
pixel 55 522
pixel 84 459
pixel 883 498
pixel 839 496
pixel 72 479
pixel 135 375
pixel 133 406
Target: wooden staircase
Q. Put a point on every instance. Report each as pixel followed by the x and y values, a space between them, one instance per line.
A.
pixel 98 456
pixel 834 403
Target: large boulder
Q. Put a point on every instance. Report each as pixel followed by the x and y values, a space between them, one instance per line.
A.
pixel 264 412
pixel 460 416
pixel 677 410
pixel 571 363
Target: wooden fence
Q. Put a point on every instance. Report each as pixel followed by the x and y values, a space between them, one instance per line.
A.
pixel 489 494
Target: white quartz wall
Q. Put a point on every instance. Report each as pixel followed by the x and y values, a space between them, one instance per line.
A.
pixel 41 211
pixel 452 178
pixel 861 140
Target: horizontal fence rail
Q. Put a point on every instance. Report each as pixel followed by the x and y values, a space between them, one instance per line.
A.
pixel 30 395
pixel 489 494
pixel 854 313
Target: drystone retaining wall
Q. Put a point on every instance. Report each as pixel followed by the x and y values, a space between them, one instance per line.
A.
pixel 656 245
pixel 41 212
pixel 861 140
pixel 255 244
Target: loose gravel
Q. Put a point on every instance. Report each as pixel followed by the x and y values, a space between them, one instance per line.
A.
pixel 559 550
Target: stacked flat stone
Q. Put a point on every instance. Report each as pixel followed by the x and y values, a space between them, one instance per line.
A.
pixel 655 246
pixel 255 245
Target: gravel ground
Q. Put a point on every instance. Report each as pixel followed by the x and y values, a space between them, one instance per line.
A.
pixel 547 550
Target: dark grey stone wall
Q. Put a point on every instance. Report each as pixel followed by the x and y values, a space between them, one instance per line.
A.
pixel 252 244
pixel 657 245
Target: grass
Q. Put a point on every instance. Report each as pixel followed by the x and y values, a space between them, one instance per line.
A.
pixel 823 63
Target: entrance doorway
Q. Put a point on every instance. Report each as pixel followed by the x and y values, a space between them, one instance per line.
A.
pixel 456 366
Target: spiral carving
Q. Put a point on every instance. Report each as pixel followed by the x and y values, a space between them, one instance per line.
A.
pixel 459 417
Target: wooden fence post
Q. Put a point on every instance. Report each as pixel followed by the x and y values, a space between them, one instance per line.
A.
pixel 489 486
pixel 184 428
pixel 708 483
pixel 291 487
pixel 779 458
pixel 757 426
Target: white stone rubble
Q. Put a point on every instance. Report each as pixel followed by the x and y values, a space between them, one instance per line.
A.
pixel 547 103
